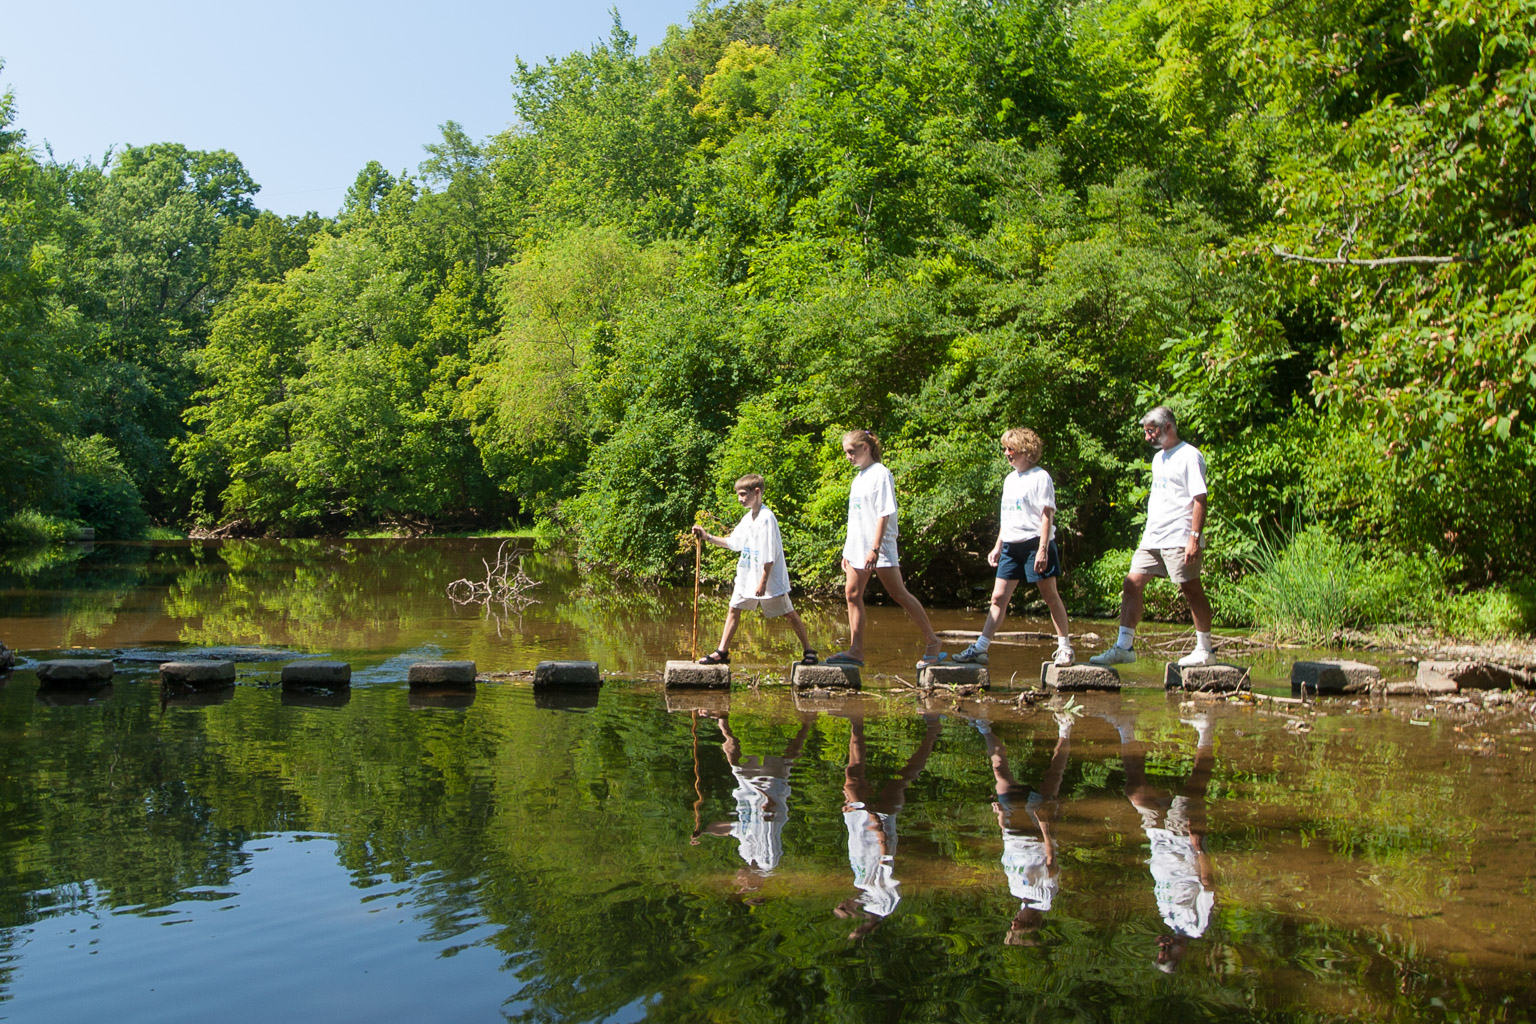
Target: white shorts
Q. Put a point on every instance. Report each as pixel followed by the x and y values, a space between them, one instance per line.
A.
pixel 772 607
pixel 1169 562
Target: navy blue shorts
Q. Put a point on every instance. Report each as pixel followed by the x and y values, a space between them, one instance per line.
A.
pixel 1017 562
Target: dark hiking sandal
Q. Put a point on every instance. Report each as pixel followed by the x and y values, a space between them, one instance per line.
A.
pixel 809 657
pixel 715 657
pixel 844 658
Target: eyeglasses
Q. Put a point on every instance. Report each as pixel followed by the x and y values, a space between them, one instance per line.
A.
pixel 1008 451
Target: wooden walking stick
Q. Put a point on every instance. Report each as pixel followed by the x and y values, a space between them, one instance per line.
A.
pixel 698 552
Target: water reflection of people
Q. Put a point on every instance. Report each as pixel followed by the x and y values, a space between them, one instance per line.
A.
pixel 1029 862
pixel 871 822
pixel 762 800
pixel 1183 880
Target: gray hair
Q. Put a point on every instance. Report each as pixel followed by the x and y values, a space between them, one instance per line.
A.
pixel 1160 417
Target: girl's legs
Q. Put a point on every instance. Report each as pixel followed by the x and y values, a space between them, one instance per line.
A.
pixel 890 576
pixel 853 591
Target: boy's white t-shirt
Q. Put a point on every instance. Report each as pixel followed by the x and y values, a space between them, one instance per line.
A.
pixel 872 497
pixel 759 542
pixel 1026 496
pixel 1178 478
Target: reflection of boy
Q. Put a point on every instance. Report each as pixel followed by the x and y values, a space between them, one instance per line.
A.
pixel 1183 878
pixel 871 823
pixel 762 579
pixel 1029 863
pixel 762 800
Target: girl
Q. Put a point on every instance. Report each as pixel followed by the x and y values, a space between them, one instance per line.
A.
pixel 871 549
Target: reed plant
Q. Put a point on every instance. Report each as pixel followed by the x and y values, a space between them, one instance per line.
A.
pixel 1309 588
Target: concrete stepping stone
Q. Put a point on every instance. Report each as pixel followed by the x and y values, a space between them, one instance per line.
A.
pixel 1422 688
pixel 567 673
pixel 324 675
pixel 75 672
pixel 1217 677
pixel 690 675
pixel 1471 675
pixel 441 673
pixel 825 677
pixel 198 675
pixel 1078 678
pixel 955 675
pixel 1334 677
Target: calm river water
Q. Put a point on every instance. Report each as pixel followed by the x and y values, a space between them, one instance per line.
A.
pixel 255 855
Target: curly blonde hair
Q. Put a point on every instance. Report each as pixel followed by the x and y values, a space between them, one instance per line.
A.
pixel 1022 439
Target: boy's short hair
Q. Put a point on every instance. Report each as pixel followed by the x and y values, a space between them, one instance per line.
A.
pixel 752 482
pixel 1022 439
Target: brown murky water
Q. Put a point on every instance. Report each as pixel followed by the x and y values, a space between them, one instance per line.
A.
pixel 632 855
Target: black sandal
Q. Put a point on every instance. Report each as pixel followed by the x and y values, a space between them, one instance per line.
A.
pixel 715 657
pixel 809 657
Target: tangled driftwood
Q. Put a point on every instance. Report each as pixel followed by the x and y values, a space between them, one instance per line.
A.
pixel 505 584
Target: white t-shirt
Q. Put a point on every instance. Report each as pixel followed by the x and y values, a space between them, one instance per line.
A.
pixel 759 542
pixel 1178 478
pixel 1026 496
pixel 762 807
pixel 873 867
pixel 1030 878
pixel 872 498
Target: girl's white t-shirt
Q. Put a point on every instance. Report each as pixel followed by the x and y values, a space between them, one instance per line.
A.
pixel 872 497
pixel 1026 496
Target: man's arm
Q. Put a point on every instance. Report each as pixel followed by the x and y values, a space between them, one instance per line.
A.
pixel 1196 525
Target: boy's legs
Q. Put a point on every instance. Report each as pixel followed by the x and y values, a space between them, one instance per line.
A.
pixel 798 625
pixel 732 620
pixel 890 575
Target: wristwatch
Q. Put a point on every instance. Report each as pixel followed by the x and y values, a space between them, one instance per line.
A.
pixel 1195 534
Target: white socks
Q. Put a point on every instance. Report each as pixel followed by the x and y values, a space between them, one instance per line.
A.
pixel 1203 641
pixel 1127 638
pixel 981 643
pixel 1063 643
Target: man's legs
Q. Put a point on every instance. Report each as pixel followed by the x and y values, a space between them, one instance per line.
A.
pixel 1131 605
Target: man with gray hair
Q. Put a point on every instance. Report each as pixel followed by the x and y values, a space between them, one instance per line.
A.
pixel 1171 542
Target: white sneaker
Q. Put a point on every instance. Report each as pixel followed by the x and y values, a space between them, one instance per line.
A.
pixel 1115 655
pixel 1063 656
pixel 972 655
pixel 1198 656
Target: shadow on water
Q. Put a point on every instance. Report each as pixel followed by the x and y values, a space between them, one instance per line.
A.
pixel 629 854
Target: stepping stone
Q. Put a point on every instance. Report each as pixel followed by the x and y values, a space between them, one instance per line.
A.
pixel 327 675
pixel 1422 688
pixel 955 675
pixel 1211 678
pixel 1472 675
pixel 1334 677
pixel 567 673
pixel 75 672
pixel 825 677
pixel 198 675
pixel 441 673
pixel 1077 678
pixel 690 675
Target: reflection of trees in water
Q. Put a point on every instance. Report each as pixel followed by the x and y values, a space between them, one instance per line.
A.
pixel 570 834
pixel 83 588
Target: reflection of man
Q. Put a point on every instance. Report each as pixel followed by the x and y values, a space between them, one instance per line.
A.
pixel 1183 880
pixel 762 799
pixel 1029 863
pixel 871 825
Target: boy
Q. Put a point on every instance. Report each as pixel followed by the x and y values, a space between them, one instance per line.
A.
pixel 762 581
pixel 1026 545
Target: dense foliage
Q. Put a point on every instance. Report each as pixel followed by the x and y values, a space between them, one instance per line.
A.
pixel 1306 226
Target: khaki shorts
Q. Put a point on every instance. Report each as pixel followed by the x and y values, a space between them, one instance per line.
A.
pixel 1169 562
pixel 772 607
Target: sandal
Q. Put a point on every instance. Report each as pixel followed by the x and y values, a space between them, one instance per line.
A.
pixel 809 657
pixel 716 657
pixel 844 658
pixel 930 660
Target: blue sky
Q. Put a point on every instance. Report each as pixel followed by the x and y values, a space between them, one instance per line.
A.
pixel 304 93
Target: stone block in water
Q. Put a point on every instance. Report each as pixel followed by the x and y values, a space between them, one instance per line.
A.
pixel 441 673
pixel 75 672
pixel 198 675
pixel 955 675
pixel 1212 678
pixel 825 677
pixel 1472 675
pixel 567 673
pixel 1422 688
pixel 690 675
pixel 1334 677
pixel 324 675
pixel 1078 678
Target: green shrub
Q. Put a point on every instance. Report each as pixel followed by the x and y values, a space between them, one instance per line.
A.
pixel 101 492
pixel 29 528
pixel 1497 613
pixel 1095 590
pixel 1310 589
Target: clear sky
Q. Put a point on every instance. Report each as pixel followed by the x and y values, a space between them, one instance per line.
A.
pixel 304 93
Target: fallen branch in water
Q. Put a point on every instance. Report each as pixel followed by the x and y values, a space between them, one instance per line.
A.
pixel 504 584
